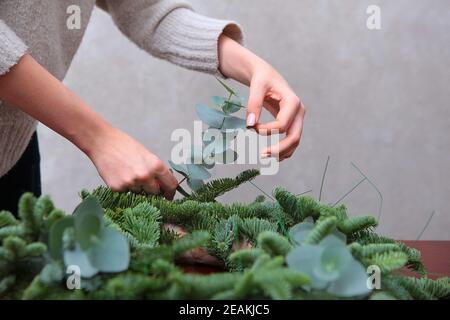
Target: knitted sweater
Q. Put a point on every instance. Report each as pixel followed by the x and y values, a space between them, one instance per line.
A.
pixel 167 29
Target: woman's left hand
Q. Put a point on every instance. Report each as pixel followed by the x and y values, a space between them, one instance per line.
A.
pixel 268 89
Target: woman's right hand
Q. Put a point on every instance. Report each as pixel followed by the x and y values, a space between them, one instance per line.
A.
pixel 126 165
pixel 122 162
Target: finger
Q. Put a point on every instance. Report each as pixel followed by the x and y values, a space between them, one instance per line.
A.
pixel 287 145
pixel 288 153
pixel 168 183
pixel 255 102
pixel 273 110
pixel 289 107
pixel 151 186
pixel 278 150
pixel 136 188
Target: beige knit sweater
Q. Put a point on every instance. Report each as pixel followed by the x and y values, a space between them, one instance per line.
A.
pixel 167 29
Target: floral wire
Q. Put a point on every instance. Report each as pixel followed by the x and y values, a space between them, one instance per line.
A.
pixel 374 186
pixel 426 225
pixel 305 192
pixel 267 195
pixel 348 192
pixel 323 178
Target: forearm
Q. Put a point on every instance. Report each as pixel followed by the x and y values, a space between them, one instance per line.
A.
pixel 31 88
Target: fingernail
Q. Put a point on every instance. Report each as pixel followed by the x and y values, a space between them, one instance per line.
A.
pixel 266 154
pixel 251 119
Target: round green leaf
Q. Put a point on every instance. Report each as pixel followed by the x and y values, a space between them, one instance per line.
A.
pixel 352 282
pixel 300 236
pixel 80 259
pixel 305 259
pixel 197 172
pixel 87 229
pixel 195 184
pixel 333 239
pixel 196 154
pixel 211 117
pixel 180 168
pixel 302 226
pixel 209 162
pixel 52 273
pixel 234 123
pixel 231 106
pixel 216 141
pixel 88 221
pixel 89 206
pixel 218 101
pixel 333 262
pixel 111 253
pixel 300 231
pixel 228 156
pixel 55 240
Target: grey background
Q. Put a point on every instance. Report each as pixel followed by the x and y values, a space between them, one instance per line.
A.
pixel 378 98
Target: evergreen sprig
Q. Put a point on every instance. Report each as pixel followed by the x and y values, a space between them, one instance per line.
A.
pixel 253 240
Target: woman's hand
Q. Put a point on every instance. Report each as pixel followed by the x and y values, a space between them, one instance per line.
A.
pixel 267 89
pixel 124 164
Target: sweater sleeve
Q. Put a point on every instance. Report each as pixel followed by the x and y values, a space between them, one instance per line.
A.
pixel 12 48
pixel 171 30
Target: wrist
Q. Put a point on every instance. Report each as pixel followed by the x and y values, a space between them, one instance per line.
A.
pixel 92 138
pixel 237 62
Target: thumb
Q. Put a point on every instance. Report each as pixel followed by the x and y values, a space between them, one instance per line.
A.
pixel 254 105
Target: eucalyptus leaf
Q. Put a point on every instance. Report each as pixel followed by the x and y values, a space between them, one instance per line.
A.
pixel 208 162
pixel 228 156
pixel 216 141
pixel 352 282
pixel 55 239
pixel 333 261
pixel 197 172
pixel 196 154
pixel 218 101
pixel 300 236
pixel 333 239
pixel 211 117
pixel 88 221
pixel 180 168
pixel 302 226
pixel 234 123
pixel 304 259
pixel 52 273
pixel 111 253
pixel 195 184
pixel 87 229
pixel 79 258
pixel 231 107
pixel 300 231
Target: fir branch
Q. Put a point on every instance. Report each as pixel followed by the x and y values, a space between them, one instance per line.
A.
pixel 321 230
pixel 210 191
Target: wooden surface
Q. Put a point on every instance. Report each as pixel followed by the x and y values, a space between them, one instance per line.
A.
pixel 435 256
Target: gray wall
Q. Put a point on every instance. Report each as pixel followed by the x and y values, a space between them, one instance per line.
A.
pixel 378 98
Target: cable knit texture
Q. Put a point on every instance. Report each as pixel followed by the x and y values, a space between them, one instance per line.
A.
pixel 167 29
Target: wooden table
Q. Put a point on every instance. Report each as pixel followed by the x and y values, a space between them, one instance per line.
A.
pixel 435 256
